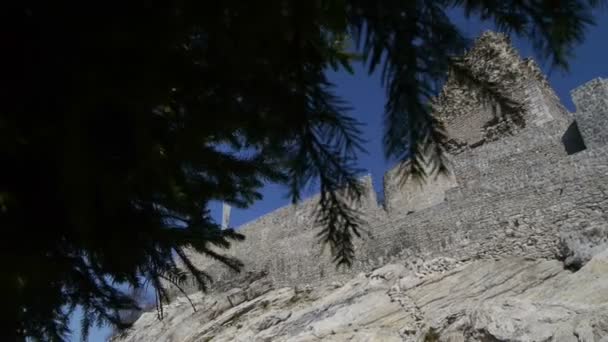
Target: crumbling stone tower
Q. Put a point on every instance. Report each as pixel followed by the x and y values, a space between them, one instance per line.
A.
pixel 471 124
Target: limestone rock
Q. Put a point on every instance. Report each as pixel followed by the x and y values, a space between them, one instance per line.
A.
pixel 273 320
pixel 512 299
pixel 578 247
pixel 236 296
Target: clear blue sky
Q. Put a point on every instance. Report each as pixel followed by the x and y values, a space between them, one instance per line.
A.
pixel 365 96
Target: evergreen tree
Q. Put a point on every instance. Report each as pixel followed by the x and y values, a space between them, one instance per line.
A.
pixel 122 120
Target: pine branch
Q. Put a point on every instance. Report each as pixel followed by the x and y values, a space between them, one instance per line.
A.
pixel 178 284
pixel 201 277
pixel 326 150
pixel 161 294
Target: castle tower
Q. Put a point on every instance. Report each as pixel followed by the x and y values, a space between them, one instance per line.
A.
pixel 495 63
pixel 482 135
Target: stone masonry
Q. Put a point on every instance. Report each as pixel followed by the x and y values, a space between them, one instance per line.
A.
pixel 517 189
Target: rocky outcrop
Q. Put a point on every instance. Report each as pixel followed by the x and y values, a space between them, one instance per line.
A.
pixel 513 299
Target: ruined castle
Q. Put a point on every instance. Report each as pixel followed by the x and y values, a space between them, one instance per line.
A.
pixel 516 189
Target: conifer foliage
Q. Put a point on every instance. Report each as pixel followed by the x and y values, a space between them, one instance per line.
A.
pixel 122 120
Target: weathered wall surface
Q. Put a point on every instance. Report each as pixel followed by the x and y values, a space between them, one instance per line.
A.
pixel 515 188
pixel 414 195
pixel 591 102
pixel 284 243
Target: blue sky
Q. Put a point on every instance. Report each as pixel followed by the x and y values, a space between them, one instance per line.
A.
pixel 366 97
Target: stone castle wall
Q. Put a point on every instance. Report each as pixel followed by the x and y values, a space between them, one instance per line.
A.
pixel 514 190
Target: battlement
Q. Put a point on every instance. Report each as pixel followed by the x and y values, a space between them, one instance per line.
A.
pixel 514 186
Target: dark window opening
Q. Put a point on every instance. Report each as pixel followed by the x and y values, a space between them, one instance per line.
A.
pixel 573 140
